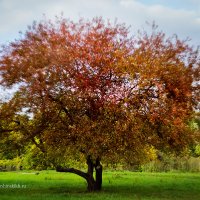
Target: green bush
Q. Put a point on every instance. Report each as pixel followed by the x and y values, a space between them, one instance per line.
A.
pixel 37 160
pixel 11 165
pixel 197 150
pixel 173 163
pixel 34 159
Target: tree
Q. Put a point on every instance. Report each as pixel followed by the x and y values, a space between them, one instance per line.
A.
pixel 91 89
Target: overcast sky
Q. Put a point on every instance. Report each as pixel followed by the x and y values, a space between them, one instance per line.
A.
pixel 173 16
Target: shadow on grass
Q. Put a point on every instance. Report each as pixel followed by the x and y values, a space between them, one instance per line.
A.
pixel 116 186
pixel 153 192
pixel 108 192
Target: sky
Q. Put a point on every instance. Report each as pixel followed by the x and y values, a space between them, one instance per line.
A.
pixel 181 17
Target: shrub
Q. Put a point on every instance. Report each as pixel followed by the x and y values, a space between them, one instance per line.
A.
pixel 173 163
pixel 11 165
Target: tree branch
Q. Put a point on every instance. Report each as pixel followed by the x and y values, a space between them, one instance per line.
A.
pixel 72 170
pixel 62 107
pixel 39 145
pixel 6 130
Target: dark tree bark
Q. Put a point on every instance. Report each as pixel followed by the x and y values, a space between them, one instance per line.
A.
pixel 90 180
pixel 99 170
pixel 92 184
pixel 72 170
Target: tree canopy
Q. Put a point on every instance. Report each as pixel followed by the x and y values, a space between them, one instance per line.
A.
pixel 90 88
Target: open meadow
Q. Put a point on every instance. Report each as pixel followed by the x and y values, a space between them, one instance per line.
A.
pixel 118 185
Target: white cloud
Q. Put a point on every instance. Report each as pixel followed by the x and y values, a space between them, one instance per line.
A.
pixel 197 21
pixel 15 15
pixel 171 20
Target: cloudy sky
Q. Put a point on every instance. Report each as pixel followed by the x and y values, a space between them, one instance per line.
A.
pixel 173 16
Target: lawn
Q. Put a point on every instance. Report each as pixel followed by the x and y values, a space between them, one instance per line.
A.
pixel 51 185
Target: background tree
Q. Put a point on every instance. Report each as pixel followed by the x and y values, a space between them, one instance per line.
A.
pixel 88 88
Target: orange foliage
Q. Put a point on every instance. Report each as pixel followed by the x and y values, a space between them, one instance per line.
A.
pixel 99 91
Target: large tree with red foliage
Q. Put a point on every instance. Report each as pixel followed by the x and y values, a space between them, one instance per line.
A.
pixel 90 88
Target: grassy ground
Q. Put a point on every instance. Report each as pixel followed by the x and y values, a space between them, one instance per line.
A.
pixel 50 185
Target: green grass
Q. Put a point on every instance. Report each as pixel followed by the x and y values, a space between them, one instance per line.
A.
pixel 50 185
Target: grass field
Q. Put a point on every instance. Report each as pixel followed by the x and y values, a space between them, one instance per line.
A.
pixel 50 185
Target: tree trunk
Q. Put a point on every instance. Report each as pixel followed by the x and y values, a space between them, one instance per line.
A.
pixel 90 179
pixel 92 184
pixel 99 170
